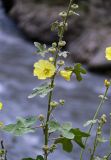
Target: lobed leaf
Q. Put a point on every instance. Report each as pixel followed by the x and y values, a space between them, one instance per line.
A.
pixel 66 144
pixel 22 126
pixel 41 91
pixel 78 135
pixel 78 70
pixel 41 48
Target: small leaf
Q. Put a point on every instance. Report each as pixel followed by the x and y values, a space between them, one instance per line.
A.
pixel 53 126
pixel 90 122
pixel 41 48
pixel 41 91
pixel 39 157
pixel 78 135
pixel 66 144
pixel 78 70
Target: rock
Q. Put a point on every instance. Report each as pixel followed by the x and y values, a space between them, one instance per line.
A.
pixel 87 37
pixel 7 4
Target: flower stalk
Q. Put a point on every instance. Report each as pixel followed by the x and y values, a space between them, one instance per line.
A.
pixel 46 134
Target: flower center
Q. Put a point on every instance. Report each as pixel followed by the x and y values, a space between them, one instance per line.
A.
pixel 46 71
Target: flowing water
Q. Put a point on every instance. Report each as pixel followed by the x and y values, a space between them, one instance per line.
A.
pixel 16 83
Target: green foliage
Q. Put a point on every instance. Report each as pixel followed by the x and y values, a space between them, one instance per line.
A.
pixel 41 48
pixel 78 70
pixel 41 91
pixel 78 135
pixel 39 157
pixel 66 144
pixel 22 126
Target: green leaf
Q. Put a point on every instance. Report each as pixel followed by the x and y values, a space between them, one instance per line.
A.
pixel 78 135
pixel 66 144
pixel 90 122
pixel 67 125
pixel 41 91
pixel 22 126
pixel 39 157
pixel 41 48
pixel 78 70
pixel 53 126
pixel 54 26
pixel 67 134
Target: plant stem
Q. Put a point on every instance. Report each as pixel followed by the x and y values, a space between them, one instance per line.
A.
pixel 46 134
pixel 94 148
pixel 108 156
pixel 95 116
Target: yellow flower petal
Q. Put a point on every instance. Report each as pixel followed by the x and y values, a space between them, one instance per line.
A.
pixel 44 69
pixel 1 105
pixel 108 53
pixel 66 74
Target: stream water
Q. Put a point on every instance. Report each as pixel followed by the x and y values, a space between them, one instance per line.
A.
pixel 17 82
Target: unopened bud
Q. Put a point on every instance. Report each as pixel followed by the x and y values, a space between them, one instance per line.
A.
pixel 106 83
pixel 41 117
pixel 53 104
pixel 52 49
pixel 60 62
pixel 54 44
pixel 74 6
pixel 45 148
pixel 71 13
pixel 104 118
pixel 62 43
pixel 51 59
pixel 62 101
pixel 63 14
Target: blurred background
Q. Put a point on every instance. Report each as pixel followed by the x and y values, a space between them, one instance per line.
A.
pixel 21 23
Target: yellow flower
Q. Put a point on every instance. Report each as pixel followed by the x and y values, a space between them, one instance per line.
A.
pixel 106 83
pixel 1 105
pixel 66 74
pixel 44 69
pixel 108 53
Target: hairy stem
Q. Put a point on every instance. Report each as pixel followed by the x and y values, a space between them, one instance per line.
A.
pixel 46 134
pixel 95 116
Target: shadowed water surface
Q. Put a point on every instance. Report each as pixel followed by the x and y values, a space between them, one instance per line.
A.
pixel 16 83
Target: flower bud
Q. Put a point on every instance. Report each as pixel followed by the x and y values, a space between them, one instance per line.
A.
pixel 62 101
pixel 103 118
pixel 74 6
pixel 45 148
pixel 53 104
pixel 41 117
pixel 71 13
pixel 60 62
pixel 52 49
pixel 62 43
pixel 106 83
pixel 51 59
pixel 54 44
pixel 63 14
